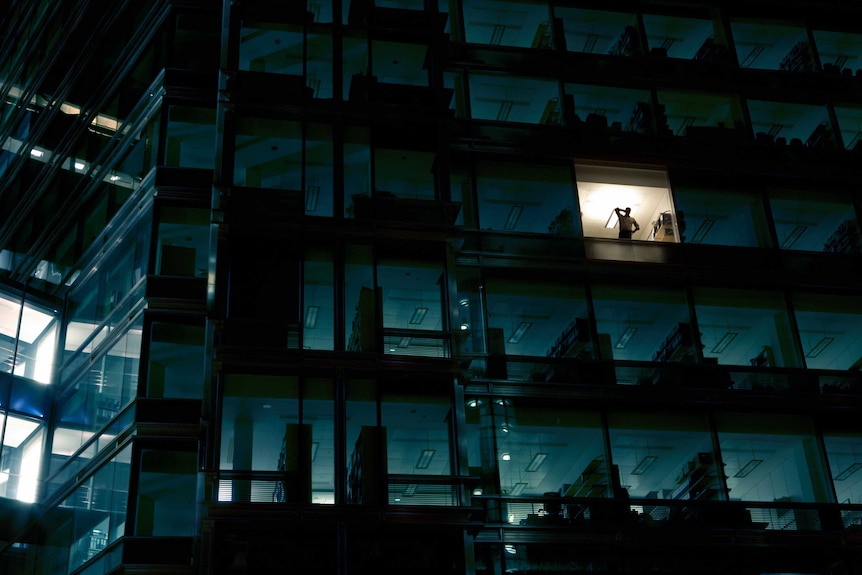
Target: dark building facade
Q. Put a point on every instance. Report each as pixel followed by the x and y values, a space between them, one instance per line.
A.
pixel 342 286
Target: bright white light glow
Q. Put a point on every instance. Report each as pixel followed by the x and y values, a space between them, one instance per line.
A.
pixel 36 153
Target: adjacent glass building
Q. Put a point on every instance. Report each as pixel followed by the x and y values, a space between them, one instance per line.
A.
pixel 338 287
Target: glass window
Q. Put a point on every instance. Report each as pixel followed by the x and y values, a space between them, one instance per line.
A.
pixel 183 242
pixel 830 328
pixel 28 338
pixel 602 190
pixel 525 198
pixel 815 220
pixel 664 456
pixel 417 426
pixel 506 98
pixel 681 37
pixel 647 324
pixel 538 317
pixel 366 445
pixel 623 110
pixel 771 46
pixel 357 169
pixel 850 123
pixel 521 23
pixel 724 217
pixel 785 122
pixel 190 138
pixel 545 450
pixel 771 458
pixel 700 116
pixel 167 490
pixel 404 174
pixel 318 416
pixel 844 451
pixel 268 154
pixel 176 354
pixel 600 32
pixel 259 414
pixel 739 327
pixel 20 457
pixel 354 62
pixel 319 299
pixel 838 51
pixel 98 507
pixel 412 295
pixel 399 63
pixel 360 300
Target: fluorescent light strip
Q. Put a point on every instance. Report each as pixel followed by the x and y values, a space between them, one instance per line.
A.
pixel 821 345
pixel 748 468
pixel 625 337
pixel 701 232
pixel 752 56
pixel 644 464
pixel 611 223
pixel 425 458
pixel 518 488
pixel 793 237
pixel 514 216
pixel 849 471
pixel 519 332
pixel 410 490
pixel 311 316
pixel 418 315
pixel 725 341
pixel 312 196
pixel 537 461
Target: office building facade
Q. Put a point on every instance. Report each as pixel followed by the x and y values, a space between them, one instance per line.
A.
pixel 339 286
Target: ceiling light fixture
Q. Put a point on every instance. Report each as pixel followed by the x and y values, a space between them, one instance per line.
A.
pixel 311 316
pixel 746 469
pixel 821 345
pixel 536 462
pixel 506 457
pixel 725 341
pixel 793 237
pixel 702 230
pixel 514 216
pixel 312 197
pixel 517 489
pixel 625 337
pixel 410 490
pixel 418 315
pixel 519 332
pixel 36 153
pixel 849 471
pixel 425 458
pixel 612 220
pixel 644 464
pixel 405 342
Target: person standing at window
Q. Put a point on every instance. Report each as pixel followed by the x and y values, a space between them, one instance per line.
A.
pixel 628 225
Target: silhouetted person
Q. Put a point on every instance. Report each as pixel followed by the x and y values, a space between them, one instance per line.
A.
pixel 628 225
